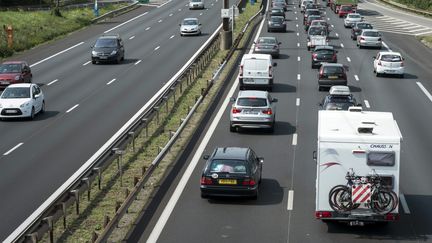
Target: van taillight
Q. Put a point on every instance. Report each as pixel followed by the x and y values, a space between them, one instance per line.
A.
pixel 267 111
pixel 241 70
pixel 248 182
pixel 323 214
pixel 379 39
pixel 270 71
pixel 235 110
pixel 206 181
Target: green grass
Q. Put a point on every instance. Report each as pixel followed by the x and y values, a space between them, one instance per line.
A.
pixel 426 39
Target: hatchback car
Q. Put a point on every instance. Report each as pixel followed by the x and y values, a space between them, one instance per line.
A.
pixel 309 20
pixel 21 100
pixel 309 12
pixel 279 4
pixel 369 38
pixel 253 109
pixel 320 22
pixel 196 4
pixel 358 27
pixel 323 54
pixel 108 48
pixel 344 10
pixel 277 12
pixel 351 19
pixel 231 171
pixel 13 72
pixel 267 45
pixel 388 62
pixel 339 98
pixel 331 74
pixel 276 23
pixel 190 26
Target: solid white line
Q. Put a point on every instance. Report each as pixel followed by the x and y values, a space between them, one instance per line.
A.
pixel 73 107
pixel 367 104
pixel 58 53
pixel 290 200
pixel 298 102
pixel 172 36
pixel 424 33
pixel 12 149
pixel 165 3
pixel 157 48
pixel 342 45
pixel 404 203
pixel 298 76
pixel 424 90
pixel 84 64
pixel 298 59
pixel 386 46
pixel 298 44
pixel 147 28
pixel 160 21
pixel 113 80
pixel 130 20
pixel 356 77
pixel 348 59
pixel 137 62
pixel 130 38
pixel 294 140
pixel 55 80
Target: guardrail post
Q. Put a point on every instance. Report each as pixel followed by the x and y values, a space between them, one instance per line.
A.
pixel 33 237
pixel 143 170
pixel 136 180
pixel 49 221
pixel 127 192
pixel 76 195
pixel 94 236
pixel 64 209
pixel 174 93
pixel 106 221
pixel 99 173
pixel 146 126
pixel 165 98
pixel 133 140
pixel 119 164
pixel 87 182
pixel 156 108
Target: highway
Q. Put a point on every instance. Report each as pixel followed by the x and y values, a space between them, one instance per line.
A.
pixel 284 211
pixel 86 104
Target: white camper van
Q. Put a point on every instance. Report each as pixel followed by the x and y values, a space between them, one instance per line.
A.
pixel 256 70
pixel 358 163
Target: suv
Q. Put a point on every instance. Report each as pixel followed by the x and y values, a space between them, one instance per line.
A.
pixel 231 171
pixel 13 72
pixel 339 98
pixel 253 109
pixel 108 48
pixel 323 54
pixel 331 74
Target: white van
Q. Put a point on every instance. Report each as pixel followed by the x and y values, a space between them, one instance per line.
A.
pixel 256 70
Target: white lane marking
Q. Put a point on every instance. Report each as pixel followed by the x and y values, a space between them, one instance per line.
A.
pixel 416 30
pixel 112 81
pixel 55 80
pixel 84 64
pixel 160 21
pixel 212 4
pixel 137 62
pixel 73 107
pixel 424 33
pixel 332 26
pixel 404 203
pixel 58 53
pixel 356 77
pixel 147 28
pixel 367 104
pixel 179 9
pixel 337 35
pixel 295 12
pixel 298 44
pixel 201 14
pixel 328 19
pixel 298 58
pixel 424 90
pixel 296 18
pixel 298 76
pixel 294 140
pixel 294 7
pixel 130 38
pixel 160 6
pixel 298 34
pixel 298 102
pixel 342 45
pixel 297 25
pixel 386 46
pixel 186 5
pixel 12 149
pixel 130 20
pixel 157 48
pixel 172 36
pixel 290 200
pixel 348 59
pixel 171 14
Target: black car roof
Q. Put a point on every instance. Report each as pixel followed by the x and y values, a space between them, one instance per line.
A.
pixel 231 153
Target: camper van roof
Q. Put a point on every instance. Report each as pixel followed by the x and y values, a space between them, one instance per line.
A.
pixel 365 126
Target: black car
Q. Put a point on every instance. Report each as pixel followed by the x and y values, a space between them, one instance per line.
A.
pixel 331 74
pixel 277 12
pixel 358 27
pixel 108 48
pixel 231 171
pixel 323 54
pixel 310 12
pixel 340 98
pixel 276 23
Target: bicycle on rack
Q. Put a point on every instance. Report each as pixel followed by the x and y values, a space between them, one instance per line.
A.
pixel 367 190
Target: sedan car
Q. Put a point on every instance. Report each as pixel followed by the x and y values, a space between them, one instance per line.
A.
pixel 196 4
pixel 351 19
pixel 231 171
pixel 13 72
pixel 279 4
pixel 331 74
pixel 389 62
pixel 276 23
pixel 267 45
pixel 108 48
pixel 277 12
pixel 369 38
pixel 339 98
pixel 190 26
pixel 21 100
pixel 323 54
pixel 358 27
pixel 253 109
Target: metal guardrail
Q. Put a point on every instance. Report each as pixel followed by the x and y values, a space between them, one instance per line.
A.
pixel 116 12
pixel 404 7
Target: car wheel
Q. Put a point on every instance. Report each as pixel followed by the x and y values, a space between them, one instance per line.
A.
pixel 401 75
pixel 43 107
pixel 308 48
pixel 255 196
pixel 271 129
pixel 232 128
pixel 93 62
pixel 32 114
pixel 204 195
pixel 360 46
pixel 377 74
pixel 320 88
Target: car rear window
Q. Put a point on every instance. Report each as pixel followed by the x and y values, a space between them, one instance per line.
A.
pixel 391 58
pixel 317 31
pixel 333 69
pixel 228 166
pixel 324 51
pixel 252 102
pixel 364 26
pixel 346 8
pixel 371 33
pixel 277 19
pixel 266 41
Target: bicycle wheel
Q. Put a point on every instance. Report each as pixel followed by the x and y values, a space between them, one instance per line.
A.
pixel 340 199
pixel 383 202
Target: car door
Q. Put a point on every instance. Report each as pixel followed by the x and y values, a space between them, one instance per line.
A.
pixel 37 98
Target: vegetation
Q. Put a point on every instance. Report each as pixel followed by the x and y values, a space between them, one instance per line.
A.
pixel 420 4
pixel 426 39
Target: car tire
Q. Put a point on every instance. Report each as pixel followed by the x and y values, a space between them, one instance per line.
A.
pixel 360 46
pixel 308 48
pixel 255 196
pixel 93 62
pixel 401 75
pixel 233 129
pixel 32 114
pixel 43 107
pixel 204 196
pixel 272 128
pixel 320 88
pixel 377 74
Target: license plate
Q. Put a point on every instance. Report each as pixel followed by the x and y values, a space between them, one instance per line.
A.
pixel 103 57
pixel 390 71
pixel 11 111
pixel 332 77
pixel 227 181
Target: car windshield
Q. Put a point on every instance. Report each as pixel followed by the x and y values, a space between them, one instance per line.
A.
pixel 324 52
pixel 333 69
pixel 320 23
pixel 252 102
pixel 371 33
pixel 354 16
pixel 106 43
pixel 269 41
pixel 10 68
pixel 317 31
pixel 228 166
pixel 314 17
pixel 364 26
pixel 15 93
pixel 391 58
pixel 277 19
pixel 190 22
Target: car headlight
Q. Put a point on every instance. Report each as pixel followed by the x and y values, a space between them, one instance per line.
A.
pixel 114 52
pixel 17 77
pixel 94 53
pixel 24 105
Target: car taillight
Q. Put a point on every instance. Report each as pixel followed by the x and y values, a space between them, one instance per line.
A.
pixel 321 73
pixel 248 182
pixel 267 111
pixel 314 56
pixel 323 214
pixel 275 47
pixel 206 180
pixel 334 57
pixel 270 71
pixel 235 110
pixel 401 64
pixel 392 217
pixel 241 70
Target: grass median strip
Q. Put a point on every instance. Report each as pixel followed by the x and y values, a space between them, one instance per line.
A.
pixel 426 39
pixel 102 204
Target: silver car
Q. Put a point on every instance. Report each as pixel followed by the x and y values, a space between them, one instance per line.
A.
pixel 369 38
pixel 190 26
pixel 253 109
pixel 196 4
pixel 267 45
pixel 351 19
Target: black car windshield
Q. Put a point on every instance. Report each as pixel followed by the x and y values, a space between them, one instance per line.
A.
pixel 269 41
pixel 277 19
pixel 10 68
pixel 16 93
pixel 252 102
pixel 364 26
pixel 228 166
pixel 190 22
pixel 313 12
pixel 324 52
pixel 371 33
pixel 106 43
pixel 391 58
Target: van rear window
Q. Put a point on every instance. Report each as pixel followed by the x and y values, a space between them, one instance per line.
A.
pixel 255 64
pixel 381 158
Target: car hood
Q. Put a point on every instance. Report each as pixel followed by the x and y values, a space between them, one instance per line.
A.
pixel 13 103
pixel 104 49
pixel 8 76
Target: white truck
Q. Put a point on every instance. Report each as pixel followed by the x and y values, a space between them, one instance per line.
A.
pixel 358 166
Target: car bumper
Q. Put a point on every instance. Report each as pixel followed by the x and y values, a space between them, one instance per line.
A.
pixel 331 82
pixel 266 84
pixel 229 191
pixel 14 112
pixel 390 70
pixel 196 32
pixel 277 28
pixel 371 43
pixel 196 6
pixel 264 123
pixel 105 58
pixel 273 52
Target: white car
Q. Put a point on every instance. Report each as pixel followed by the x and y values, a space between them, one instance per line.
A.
pixel 21 100
pixel 303 4
pixel 190 26
pixel 196 4
pixel 351 19
pixel 388 62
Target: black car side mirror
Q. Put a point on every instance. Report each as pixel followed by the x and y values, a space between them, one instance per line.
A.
pixel 274 64
pixel 206 157
pixel 279 43
pixel 274 100
pixel 374 57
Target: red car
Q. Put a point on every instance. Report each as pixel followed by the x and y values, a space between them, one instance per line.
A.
pixel 345 9
pixel 14 72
